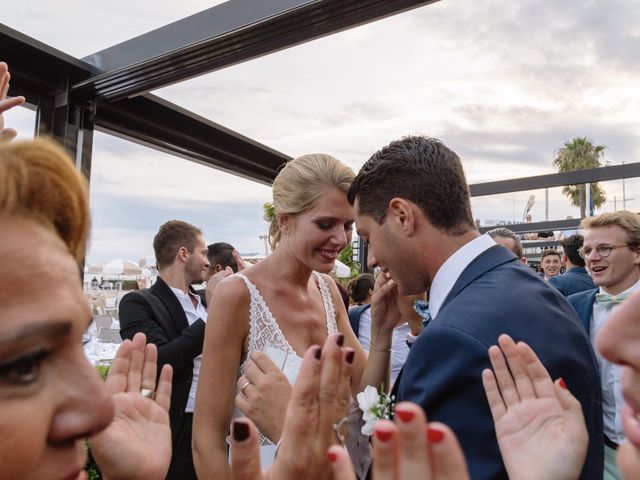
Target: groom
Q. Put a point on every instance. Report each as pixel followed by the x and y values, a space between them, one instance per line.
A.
pixel 412 206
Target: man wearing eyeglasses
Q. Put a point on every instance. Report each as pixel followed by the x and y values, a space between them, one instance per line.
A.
pixel 611 251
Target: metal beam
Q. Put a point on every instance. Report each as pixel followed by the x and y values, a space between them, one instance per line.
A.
pixel 157 123
pixel 221 36
pixel 571 223
pixel 577 177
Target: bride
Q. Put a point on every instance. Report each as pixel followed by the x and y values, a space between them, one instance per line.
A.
pixel 283 305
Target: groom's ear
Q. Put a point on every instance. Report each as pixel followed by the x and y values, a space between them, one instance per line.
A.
pixel 401 213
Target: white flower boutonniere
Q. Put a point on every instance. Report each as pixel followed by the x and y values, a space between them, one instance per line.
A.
pixel 375 406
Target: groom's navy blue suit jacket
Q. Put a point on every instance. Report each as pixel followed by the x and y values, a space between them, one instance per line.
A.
pixel 497 294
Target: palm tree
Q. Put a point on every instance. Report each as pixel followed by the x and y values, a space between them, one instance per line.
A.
pixel 579 154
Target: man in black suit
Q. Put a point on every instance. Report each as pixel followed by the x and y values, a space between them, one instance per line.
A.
pixel 412 207
pixel 173 316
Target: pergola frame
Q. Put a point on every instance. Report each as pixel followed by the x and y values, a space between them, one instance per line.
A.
pixel 109 90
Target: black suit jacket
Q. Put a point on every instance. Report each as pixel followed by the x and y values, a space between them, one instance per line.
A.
pixel 496 294
pixel 157 313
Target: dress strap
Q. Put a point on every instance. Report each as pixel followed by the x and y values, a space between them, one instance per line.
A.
pixel 329 308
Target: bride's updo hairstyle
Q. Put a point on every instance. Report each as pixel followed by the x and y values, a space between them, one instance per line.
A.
pixel 39 181
pixel 299 185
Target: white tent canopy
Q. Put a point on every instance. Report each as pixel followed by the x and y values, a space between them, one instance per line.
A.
pixel 341 270
pixel 116 267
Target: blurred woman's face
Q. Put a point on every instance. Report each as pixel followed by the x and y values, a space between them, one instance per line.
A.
pixel 51 398
pixel 619 342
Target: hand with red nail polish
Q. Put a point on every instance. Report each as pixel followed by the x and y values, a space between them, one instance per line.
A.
pixel 539 424
pixel 316 402
pixel 409 449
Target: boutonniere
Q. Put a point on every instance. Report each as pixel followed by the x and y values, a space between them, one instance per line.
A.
pixel 421 307
pixel 375 406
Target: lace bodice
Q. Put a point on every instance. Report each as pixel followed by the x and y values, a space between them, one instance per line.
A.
pixel 265 334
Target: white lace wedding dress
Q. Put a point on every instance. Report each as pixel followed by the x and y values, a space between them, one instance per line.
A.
pixel 265 335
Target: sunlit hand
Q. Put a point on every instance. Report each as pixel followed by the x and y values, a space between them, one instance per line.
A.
pixel 213 282
pixel 539 425
pixel 309 423
pixel 263 395
pixel 6 134
pixel 137 443
pixel 408 449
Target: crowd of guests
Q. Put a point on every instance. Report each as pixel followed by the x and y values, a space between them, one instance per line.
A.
pixel 255 377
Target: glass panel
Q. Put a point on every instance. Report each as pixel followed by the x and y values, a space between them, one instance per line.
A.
pixel 134 189
pixel 79 27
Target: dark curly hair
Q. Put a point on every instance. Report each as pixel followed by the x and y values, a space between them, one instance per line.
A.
pixel 422 170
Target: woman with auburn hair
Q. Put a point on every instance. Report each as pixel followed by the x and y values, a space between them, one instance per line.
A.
pixel 51 397
pixel 262 320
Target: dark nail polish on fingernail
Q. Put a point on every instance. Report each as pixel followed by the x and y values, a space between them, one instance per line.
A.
pixel 405 415
pixel 562 384
pixel 434 435
pixel 340 340
pixel 350 356
pixel 332 457
pixel 240 431
pixel 317 353
pixel 383 435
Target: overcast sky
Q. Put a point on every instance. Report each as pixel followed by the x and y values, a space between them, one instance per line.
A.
pixel 504 84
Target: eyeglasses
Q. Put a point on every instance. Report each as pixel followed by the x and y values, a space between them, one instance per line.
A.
pixel 603 250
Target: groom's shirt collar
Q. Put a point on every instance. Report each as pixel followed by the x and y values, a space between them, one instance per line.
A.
pixel 448 274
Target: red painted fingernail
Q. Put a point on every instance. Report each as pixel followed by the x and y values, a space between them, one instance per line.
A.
pixel 340 340
pixel 350 356
pixel 317 353
pixel 562 384
pixel 384 435
pixel 332 456
pixel 434 435
pixel 405 415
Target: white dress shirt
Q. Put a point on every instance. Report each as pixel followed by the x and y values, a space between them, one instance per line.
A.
pixel 448 274
pixel 193 314
pixel 610 374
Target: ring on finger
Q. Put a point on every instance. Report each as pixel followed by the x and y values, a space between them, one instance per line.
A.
pixel 246 384
pixel 147 393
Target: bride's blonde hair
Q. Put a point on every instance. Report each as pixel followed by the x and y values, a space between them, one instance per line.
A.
pixel 299 185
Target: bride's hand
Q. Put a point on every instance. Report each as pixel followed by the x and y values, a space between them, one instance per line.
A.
pixel 539 425
pixel 310 418
pixel 263 395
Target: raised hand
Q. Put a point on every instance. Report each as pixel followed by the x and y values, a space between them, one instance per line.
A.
pixel 539 424
pixel 6 134
pixel 137 443
pixel 214 281
pixel 408 449
pixel 385 314
pixel 318 398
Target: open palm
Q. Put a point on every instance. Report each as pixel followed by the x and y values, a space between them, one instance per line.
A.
pixel 137 443
pixel 539 424
pixel 6 103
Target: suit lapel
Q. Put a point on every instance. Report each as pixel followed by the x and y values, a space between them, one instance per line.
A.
pixel 487 260
pixel 178 319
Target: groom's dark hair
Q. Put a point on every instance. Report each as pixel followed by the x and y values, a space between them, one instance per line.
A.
pixel 422 170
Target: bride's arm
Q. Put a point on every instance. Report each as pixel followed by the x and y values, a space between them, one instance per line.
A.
pixel 374 369
pixel 227 328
